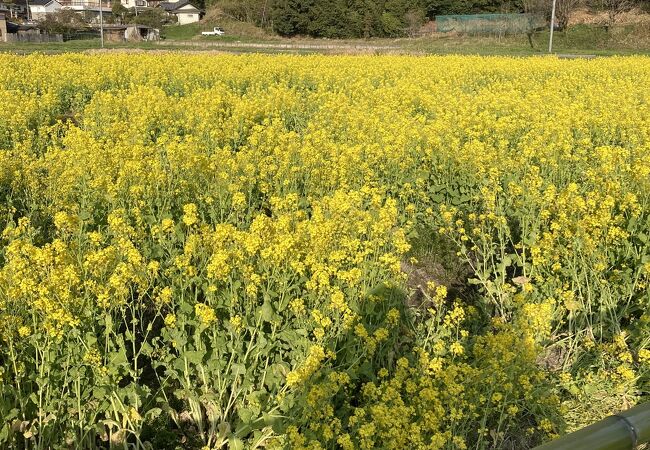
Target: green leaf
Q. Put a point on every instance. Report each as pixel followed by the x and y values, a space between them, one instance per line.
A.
pixel 90 339
pixel 108 321
pixel 153 413
pixel 194 356
pixel 118 358
pixel 238 369
pixel 234 443
pixel 146 349
pixel 266 312
pixel 4 433
pixel 270 420
pixel 245 415
pixel 99 393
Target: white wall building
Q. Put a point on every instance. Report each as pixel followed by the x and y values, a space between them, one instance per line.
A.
pixel 183 10
pixel 39 8
pixel 134 3
pixel 187 14
pixel 13 9
pixel 89 9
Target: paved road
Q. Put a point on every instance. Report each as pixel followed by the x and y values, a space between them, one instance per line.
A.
pixel 278 46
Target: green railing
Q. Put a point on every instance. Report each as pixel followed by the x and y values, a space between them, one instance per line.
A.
pixel 623 431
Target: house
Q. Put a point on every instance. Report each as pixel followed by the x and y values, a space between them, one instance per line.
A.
pixel 13 9
pixel 135 3
pixel 89 9
pixel 123 33
pixel 185 11
pixel 40 8
pixel 16 32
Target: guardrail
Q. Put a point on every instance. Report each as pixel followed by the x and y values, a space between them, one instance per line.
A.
pixel 622 431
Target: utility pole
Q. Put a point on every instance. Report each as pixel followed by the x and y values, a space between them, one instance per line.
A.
pixel 550 39
pixel 101 23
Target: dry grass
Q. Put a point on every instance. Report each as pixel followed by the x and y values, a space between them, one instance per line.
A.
pixel 216 17
pixel 590 17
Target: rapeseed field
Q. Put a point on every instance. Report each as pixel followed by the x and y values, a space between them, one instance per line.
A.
pixel 240 252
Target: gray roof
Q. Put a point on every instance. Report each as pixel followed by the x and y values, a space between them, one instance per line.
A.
pixel 12 27
pixel 167 6
pixel 15 27
pixel 40 2
pixel 173 6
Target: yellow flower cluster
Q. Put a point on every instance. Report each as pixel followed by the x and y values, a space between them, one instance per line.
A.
pixel 205 314
pixel 417 407
pixel 311 365
pixel 235 241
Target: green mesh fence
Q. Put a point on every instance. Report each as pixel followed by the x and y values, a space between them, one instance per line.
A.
pixel 488 23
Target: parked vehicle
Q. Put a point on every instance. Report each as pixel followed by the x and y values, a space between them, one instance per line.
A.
pixel 217 31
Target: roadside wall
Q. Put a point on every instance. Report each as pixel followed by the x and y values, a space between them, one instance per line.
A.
pixel 3 28
pixel 29 36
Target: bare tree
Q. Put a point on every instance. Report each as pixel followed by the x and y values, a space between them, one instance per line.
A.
pixel 614 9
pixel 539 11
pixel 563 11
pixel 414 20
pixel 536 7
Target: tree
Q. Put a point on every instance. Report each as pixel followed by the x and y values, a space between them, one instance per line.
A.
pixel 368 18
pixel 119 12
pixel 64 21
pixel 408 15
pixel 391 25
pixel 440 7
pixel 252 11
pixel 563 11
pixel 614 9
pixel 151 17
pixel 414 19
pixel 540 7
pixel 329 18
pixel 291 17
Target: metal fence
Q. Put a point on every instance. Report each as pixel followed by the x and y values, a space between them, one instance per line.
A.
pixel 23 36
pixel 498 24
pixel 81 35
